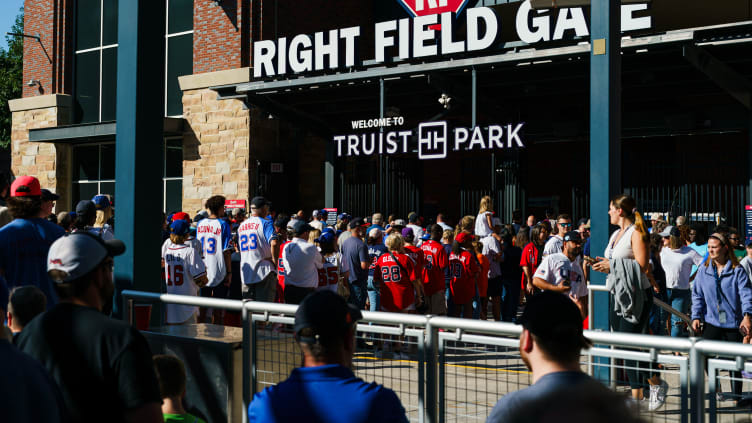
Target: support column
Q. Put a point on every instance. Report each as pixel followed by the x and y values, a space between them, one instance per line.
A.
pixel 605 140
pixel 139 144
pixel 329 175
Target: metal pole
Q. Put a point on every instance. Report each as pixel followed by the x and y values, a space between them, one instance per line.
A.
pixel 696 383
pixel 382 160
pixel 605 134
pixel 246 366
pixel 475 98
pixel 432 338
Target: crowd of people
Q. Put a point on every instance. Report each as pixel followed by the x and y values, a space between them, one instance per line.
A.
pixel 480 268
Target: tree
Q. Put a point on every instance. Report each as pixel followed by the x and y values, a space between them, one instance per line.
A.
pixel 11 77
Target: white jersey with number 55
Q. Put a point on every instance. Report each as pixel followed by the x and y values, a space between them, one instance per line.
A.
pixel 215 236
pixel 254 242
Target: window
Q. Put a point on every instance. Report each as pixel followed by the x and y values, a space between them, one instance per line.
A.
pixel 173 175
pixel 94 172
pixel 178 52
pixel 96 60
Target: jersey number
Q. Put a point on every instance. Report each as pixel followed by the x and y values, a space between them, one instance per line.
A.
pixel 456 270
pixel 175 276
pixel 209 245
pixel 429 262
pixel 248 242
pixel 328 276
pixel 391 274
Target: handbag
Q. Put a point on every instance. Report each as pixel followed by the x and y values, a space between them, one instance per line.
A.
pixel 343 286
pixel 423 307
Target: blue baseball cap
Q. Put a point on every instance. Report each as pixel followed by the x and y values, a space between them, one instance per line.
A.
pixel 180 227
pixel 327 229
pixel 344 216
pixel 101 201
pixel 326 237
pixel 426 236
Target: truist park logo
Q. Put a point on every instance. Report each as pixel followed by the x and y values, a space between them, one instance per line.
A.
pixel 432 7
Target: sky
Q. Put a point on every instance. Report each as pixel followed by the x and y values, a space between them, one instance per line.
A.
pixel 8 11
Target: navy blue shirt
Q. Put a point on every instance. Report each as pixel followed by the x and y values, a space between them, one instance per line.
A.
pixel 326 394
pixel 375 251
pixel 511 404
pixel 354 250
pixel 24 244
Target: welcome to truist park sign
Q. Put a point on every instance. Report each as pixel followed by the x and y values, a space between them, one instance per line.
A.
pixel 430 32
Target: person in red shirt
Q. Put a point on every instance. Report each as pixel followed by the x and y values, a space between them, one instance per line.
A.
pixel 415 253
pixel 283 227
pixel 484 264
pixel 532 255
pixel 464 270
pixel 436 261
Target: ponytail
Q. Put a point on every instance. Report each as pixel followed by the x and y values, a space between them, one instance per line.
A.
pixel 640 227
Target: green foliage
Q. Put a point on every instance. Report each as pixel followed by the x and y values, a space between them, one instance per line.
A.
pixel 11 77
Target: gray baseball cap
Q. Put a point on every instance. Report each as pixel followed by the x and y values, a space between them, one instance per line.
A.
pixel 79 253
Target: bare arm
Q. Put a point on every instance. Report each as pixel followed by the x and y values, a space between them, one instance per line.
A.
pixel 275 251
pixel 528 279
pixel 228 265
pixel 641 252
pixel 582 303
pixel 541 284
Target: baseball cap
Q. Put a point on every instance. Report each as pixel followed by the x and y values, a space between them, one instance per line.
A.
pixel 181 216
pixel 587 225
pixel 374 233
pixel 327 314
pixel 85 208
pixel 553 317
pixel 670 230
pixel 203 214
pixel 180 227
pixel 301 227
pixel 327 229
pixel 463 236
pixel 323 213
pixel 326 237
pixel 358 221
pixel 101 201
pixel 399 222
pixel 408 233
pixel 48 195
pixel 748 242
pixel 315 213
pixel 573 236
pixel 259 202
pixel 426 236
pixel 79 253
pixel 344 216
pixel 25 186
pixel 497 222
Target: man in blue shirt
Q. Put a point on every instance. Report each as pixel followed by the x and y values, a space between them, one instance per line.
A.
pixel 550 346
pixel 25 241
pixel 325 390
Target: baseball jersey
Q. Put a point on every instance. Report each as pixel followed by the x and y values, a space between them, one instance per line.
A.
pixel 492 247
pixel 254 242
pixel 436 261
pixel 463 269
pixel 182 266
pixel 281 274
pixel 557 268
pixel 416 254
pixel 397 293
pixel 215 236
pixel 554 245
pixel 334 266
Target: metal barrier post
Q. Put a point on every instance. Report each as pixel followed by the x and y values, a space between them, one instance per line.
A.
pixel 697 383
pixel 684 391
pixel 431 382
pixel 441 385
pixel 254 356
pixel 246 367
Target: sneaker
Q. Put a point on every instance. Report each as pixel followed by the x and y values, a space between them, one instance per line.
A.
pixel 658 395
pixel 721 396
pixel 746 375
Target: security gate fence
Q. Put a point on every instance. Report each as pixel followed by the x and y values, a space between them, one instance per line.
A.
pixel 454 370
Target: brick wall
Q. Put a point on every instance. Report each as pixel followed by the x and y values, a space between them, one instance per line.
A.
pixel 220 35
pixel 49 19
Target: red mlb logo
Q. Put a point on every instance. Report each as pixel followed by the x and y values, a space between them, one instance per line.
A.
pixel 432 7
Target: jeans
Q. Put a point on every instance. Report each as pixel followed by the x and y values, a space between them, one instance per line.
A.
pixel 358 294
pixel 680 300
pixel 449 299
pixel 374 295
pixel 510 299
pixel 658 316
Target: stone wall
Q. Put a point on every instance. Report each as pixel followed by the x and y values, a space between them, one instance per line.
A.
pixel 50 163
pixel 215 148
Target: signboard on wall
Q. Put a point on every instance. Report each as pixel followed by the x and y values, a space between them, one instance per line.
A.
pixel 748 222
pixel 331 216
pixel 235 204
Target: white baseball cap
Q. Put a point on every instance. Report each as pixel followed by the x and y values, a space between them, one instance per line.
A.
pixel 79 253
pixel 374 233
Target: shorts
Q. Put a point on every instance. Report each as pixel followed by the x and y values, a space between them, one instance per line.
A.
pixel 495 287
pixel 219 291
pixel 264 290
pixel 436 303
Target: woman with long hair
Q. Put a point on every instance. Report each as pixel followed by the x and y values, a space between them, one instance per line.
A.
pixel 722 300
pixel 677 260
pixel 630 246
pixel 484 221
pixel 532 255
pixel 104 213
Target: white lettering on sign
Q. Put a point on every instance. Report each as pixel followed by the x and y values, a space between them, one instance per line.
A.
pixel 433 140
pixel 378 123
pixel 426 35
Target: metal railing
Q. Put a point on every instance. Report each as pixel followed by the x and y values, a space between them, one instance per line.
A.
pixel 456 369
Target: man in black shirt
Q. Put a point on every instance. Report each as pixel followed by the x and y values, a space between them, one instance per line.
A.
pixel 102 366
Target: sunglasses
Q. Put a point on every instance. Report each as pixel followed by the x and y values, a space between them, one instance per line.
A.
pixel 565 224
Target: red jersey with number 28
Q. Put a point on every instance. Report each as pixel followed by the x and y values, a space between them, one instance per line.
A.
pixel 433 268
pixel 463 268
pixel 397 293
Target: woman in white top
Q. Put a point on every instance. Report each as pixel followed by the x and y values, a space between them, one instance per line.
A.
pixel 631 241
pixel 484 221
pixel 677 260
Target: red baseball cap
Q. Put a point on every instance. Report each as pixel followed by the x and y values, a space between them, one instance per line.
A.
pixel 180 216
pixel 463 236
pixel 25 186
